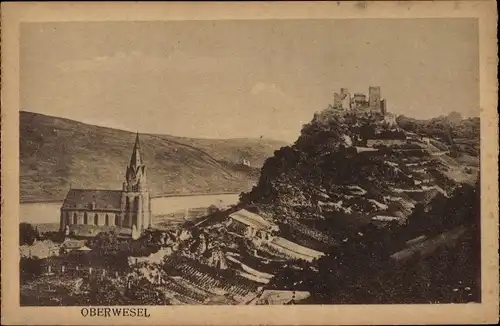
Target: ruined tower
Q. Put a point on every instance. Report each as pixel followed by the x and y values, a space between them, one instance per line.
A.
pixel 345 98
pixel 383 106
pixel 374 98
pixel 337 101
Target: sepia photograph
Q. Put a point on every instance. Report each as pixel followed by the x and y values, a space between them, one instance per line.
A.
pixel 249 162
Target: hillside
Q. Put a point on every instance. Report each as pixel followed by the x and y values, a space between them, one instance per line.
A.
pixel 56 153
pixel 350 169
pixel 464 133
pixel 394 216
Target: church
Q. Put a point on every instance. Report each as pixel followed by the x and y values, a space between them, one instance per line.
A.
pixel 86 212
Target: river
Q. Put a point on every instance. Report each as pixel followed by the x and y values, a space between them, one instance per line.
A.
pixel 37 213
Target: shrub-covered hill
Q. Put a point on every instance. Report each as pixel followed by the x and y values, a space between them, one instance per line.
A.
pixel 329 180
pixel 460 128
pixel 464 133
pixel 56 153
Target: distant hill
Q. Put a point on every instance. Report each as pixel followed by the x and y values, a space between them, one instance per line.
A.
pixel 442 126
pixel 463 134
pixel 56 153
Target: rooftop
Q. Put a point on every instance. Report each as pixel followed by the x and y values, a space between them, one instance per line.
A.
pixel 84 198
pixel 251 219
pixel 73 244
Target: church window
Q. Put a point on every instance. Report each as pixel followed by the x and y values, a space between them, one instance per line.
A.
pixel 117 220
pixel 68 218
pixel 96 219
pixel 85 218
pixel 75 218
pixel 127 204
pixel 107 220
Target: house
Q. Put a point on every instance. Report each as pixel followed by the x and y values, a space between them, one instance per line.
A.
pixel 251 225
pixel 40 249
pixel 386 142
pixel 74 246
pixel 89 210
pixel 383 218
pixel 360 149
pixel 294 250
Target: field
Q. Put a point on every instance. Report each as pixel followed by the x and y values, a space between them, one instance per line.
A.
pixel 200 283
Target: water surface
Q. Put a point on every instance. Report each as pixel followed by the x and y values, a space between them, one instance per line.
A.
pixel 49 212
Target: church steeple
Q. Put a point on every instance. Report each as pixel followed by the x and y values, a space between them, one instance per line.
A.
pixel 135 197
pixel 135 159
pixel 136 171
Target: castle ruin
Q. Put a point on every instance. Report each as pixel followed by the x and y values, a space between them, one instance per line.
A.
pixel 359 101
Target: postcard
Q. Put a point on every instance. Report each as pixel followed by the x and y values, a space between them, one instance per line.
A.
pixel 253 163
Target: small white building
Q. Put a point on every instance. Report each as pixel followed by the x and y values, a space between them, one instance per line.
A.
pixel 251 225
pixel 383 218
pixel 245 162
pixel 40 249
pixel 74 246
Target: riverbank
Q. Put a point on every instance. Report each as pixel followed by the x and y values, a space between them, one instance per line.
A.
pixel 49 212
pixel 173 194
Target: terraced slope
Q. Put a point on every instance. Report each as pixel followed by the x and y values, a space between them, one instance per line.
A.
pixel 330 182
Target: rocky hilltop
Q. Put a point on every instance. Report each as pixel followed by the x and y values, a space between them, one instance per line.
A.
pixel 348 169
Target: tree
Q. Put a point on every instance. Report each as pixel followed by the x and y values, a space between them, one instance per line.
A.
pixel 103 292
pixel 106 242
pixel 109 251
pixel 463 206
pixel 27 234
pixel 418 220
pixel 145 293
pixel 30 268
pixel 454 117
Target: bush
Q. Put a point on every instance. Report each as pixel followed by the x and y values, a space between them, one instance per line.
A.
pixel 27 234
pixel 103 292
pixel 143 292
pixel 30 268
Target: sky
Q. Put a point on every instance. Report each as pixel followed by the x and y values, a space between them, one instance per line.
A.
pixel 252 78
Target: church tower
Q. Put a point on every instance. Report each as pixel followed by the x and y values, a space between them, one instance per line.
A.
pixel 136 201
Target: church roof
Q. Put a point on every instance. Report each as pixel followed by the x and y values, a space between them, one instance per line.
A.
pixel 83 199
pixel 251 219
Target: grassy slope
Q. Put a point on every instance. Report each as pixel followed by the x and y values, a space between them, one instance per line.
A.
pixel 56 152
